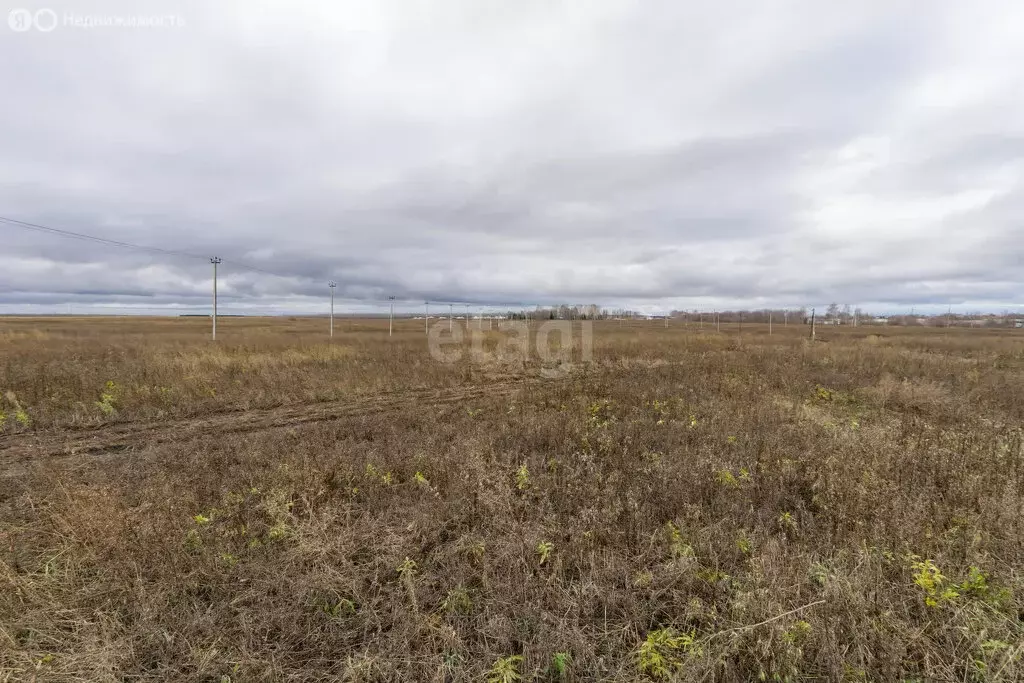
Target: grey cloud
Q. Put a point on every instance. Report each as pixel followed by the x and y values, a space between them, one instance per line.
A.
pixel 658 154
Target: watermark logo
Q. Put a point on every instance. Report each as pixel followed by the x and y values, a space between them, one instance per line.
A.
pixel 20 20
pixel 557 346
pixel 45 20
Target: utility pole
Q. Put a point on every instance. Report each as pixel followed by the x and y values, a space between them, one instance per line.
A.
pixel 391 315
pixel 812 324
pixel 450 316
pixel 467 317
pixel 426 317
pixel 332 284
pixel 215 260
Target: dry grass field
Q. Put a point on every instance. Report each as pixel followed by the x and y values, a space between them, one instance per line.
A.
pixel 690 505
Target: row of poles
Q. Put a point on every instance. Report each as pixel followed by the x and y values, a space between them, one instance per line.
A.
pixel 333 285
pixel 391 313
pixel 451 312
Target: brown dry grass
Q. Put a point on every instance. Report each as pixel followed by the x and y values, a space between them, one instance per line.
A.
pixel 275 507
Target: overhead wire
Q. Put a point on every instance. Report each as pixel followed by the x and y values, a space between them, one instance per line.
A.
pixel 70 234
pixel 92 238
pixel 129 245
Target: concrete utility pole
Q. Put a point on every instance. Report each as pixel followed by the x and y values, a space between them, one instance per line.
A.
pixel 215 260
pixel 812 324
pixel 332 284
pixel 467 317
pixel 391 315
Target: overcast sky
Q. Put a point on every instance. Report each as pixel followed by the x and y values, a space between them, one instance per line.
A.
pixel 657 154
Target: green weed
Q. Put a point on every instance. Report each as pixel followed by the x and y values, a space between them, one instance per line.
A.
pixel 560 662
pixel 506 670
pixel 544 550
pixel 663 651
pixel 522 478
pixel 109 398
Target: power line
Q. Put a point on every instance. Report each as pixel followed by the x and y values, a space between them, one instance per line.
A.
pixel 93 238
pixel 13 222
pixel 70 234
pixel 128 245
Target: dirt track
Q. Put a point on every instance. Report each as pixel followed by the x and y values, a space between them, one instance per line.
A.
pixel 17 449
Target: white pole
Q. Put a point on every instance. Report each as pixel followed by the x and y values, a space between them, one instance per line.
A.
pixel 332 284
pixel 215 260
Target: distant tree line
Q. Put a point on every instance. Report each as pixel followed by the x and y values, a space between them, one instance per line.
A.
pixel 562 312
pixel 833 314
pixel 763 315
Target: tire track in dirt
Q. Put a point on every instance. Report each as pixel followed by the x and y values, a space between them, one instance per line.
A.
pixel 18 448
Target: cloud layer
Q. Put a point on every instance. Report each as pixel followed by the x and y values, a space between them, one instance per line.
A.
pixel 652 154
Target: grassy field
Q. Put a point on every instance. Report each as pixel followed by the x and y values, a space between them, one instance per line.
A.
pixel 688 505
